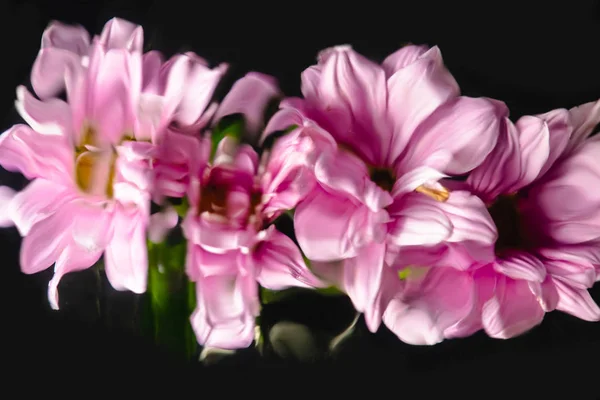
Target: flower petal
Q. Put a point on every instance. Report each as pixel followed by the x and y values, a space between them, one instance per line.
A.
pixel 189 86
pixel 414 93
pixel 37 201
pixel 126 255
pixel 344 172
pixel 457 137
pixel 575 301
pixel 512 310
pixel 280 263
pixel 414 326
pixel 50 117
pixel 224 317
pixel 559 132
pixel 115 82
pixel 350 95
pixel 161 223
pixel 46 240
pixel 36 155
pixel 343 226
pixel 72 258
pixel 249 96
pixel 402 58
pixel 584 119
pixel 521 265
pixel 121 34
pixel 362 281
pixel 565 208
pixel 7 194
pixel 63 46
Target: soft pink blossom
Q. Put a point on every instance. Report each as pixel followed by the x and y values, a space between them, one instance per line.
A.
pixel 539 175
pixel 382 138
pixel 234 198
pixel 232 245
pixel 91 157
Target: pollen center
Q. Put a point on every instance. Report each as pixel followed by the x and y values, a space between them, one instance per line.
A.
pixel 383 177
pixel 94 166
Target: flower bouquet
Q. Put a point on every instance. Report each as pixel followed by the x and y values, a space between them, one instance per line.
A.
pixel 434 213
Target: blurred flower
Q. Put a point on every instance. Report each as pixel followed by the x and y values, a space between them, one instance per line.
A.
pixel 91 158
pixel 381 138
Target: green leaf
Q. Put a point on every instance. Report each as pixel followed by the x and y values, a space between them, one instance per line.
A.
pixel 231 127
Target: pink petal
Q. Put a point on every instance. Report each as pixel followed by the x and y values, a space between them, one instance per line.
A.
pixel 36 155
pixel 403 58
pixel 152 62
pixel 115 82
pixel 224 317
pixel 50 117
pixel 215 235
pixel 565 207
pixel 414 326
pixel 280 263
pixel 74 38
pixel 560 130
pixel 72 258
pixel 458 231
pixel 189 85
pixel 584 119
pixel 512 310
pixel 126 255
pixel 580 275
pixel 545 293
pixel 6 196
pixel 419 222
pixel 286 178
pixel 534 143
pixel 457 137
pixel 415 92
pixel 282 120
pixel 343 226
pixel 91 227
pixel 577 302
pixel 409 181
pixel 121 34
pixel 362 281
pixel 36 202
pixel 344 172
pixel 249 96
pixel 246 159
pixel 62 46
pixel 161 223
pixel 133 164
pixel 521 265
pixel 350 93
pixel 46 240
pixel 501 170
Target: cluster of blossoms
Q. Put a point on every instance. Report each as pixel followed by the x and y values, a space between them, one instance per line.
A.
pixel 434 212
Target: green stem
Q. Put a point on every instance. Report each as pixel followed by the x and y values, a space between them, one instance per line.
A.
pixel 169 294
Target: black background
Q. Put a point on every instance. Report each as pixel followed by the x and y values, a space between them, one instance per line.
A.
pixel 535 56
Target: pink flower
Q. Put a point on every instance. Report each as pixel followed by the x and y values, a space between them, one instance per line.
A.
pixel 91 159
pixel 232 244
pixel 382 138
pixel 69 47
pixel 234 199
pixel 178 90
pixel 536 183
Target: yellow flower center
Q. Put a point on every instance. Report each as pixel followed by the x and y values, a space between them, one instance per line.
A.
pixel 95 164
